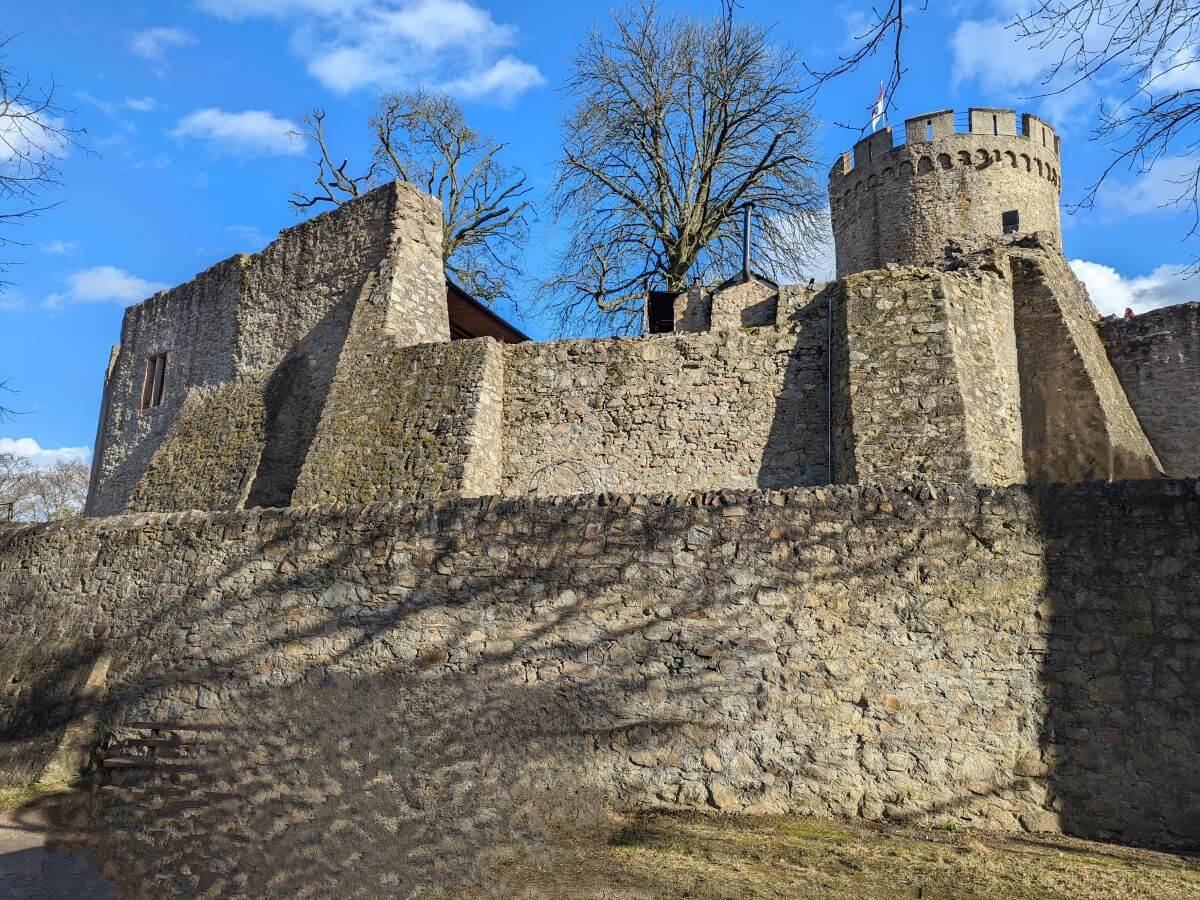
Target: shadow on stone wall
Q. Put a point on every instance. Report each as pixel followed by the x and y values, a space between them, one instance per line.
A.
pixel 453 760
pixel 483 719
pixel 1121 736
pixel 797 449
pixel 295 399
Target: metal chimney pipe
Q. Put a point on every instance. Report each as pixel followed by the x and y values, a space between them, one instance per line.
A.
pixel 747 211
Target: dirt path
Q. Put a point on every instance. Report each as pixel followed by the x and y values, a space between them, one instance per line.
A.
pixel 28 871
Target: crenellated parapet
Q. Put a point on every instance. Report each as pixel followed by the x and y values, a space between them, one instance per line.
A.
pixel 905 202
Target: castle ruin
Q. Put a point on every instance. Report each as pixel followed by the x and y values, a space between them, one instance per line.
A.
pixel 919 542
pixel 323 370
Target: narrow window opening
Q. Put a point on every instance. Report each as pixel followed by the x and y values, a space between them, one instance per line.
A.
pixel 1043 137
pixel 148 382
pixel 660 317
pixel 154 382
pixel 929 130
pixel 160 378
pixel 995 125
pixel 1011 221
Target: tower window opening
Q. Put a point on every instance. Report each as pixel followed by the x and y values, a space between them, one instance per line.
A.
pixel 929 130
pixel 1043 137
pixel 995 125
pixel 154 382
pixel 1011 221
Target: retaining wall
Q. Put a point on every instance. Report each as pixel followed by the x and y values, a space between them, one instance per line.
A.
pixel 390 688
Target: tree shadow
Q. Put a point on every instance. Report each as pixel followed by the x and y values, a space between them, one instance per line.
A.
pixel 797 450
pixel 415 697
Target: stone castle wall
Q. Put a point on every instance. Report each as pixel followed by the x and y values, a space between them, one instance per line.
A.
pixel 673 413
pixel 1157 356
pixel 1078 421
pixel 984 368
pixel 926 369
pixel 196 325
pixel 904 204
pixel 282 315
pixel 462 670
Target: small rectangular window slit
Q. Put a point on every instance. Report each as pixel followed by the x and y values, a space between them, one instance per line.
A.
pixel 154 382
pixel 1011 221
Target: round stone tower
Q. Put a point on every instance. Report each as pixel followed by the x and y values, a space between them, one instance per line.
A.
pixel 903 204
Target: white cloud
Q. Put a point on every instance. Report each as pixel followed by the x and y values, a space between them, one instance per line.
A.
pixel 1153 190
pixel 104 284
pixel 43 457
pixel 506 79
pixel 28 138
pixel 347 45
pixel 140 104
pixel 1112 292
pixel 153 43
pixel 250 236
pixel 252 132
pixel 990 54
pixel 59 248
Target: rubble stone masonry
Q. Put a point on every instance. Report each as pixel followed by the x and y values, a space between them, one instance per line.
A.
pixel 279 316
pixel 906 204
pixel 735 408
pixel 1157 357
pixel 460 670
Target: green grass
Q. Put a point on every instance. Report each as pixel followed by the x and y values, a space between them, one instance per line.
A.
pixel 707 857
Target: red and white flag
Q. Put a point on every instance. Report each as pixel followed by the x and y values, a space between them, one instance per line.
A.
pixel 877 114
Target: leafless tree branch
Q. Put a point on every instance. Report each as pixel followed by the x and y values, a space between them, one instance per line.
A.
pixel 884 35
pixel 424 139
pixel 31 494
pixel 1149 50
pixel 34 140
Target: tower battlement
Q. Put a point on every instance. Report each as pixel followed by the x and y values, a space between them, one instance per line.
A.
pixel 904 203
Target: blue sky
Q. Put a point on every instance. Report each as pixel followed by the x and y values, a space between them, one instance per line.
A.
pixel 187 105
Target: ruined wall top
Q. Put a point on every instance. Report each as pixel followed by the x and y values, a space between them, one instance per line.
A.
pixel 941 125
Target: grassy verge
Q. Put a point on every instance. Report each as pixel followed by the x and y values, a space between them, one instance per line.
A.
pixel 13 797
pixel 704 857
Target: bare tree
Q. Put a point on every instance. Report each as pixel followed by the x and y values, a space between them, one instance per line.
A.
pixel 423 138
pixel 676 124
pixel 31 494
pixel 34 139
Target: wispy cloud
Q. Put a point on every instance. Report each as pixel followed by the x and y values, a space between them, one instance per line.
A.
pixel 29 135
pixel 1113 292
pixel 103 284
pixel 43 457
pixel 153 43
pixel 246 236
pixel 989 54
pixel 113 107
pixel 251 132
pixel 59 248
pixel 451 45
pixel 1161 187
